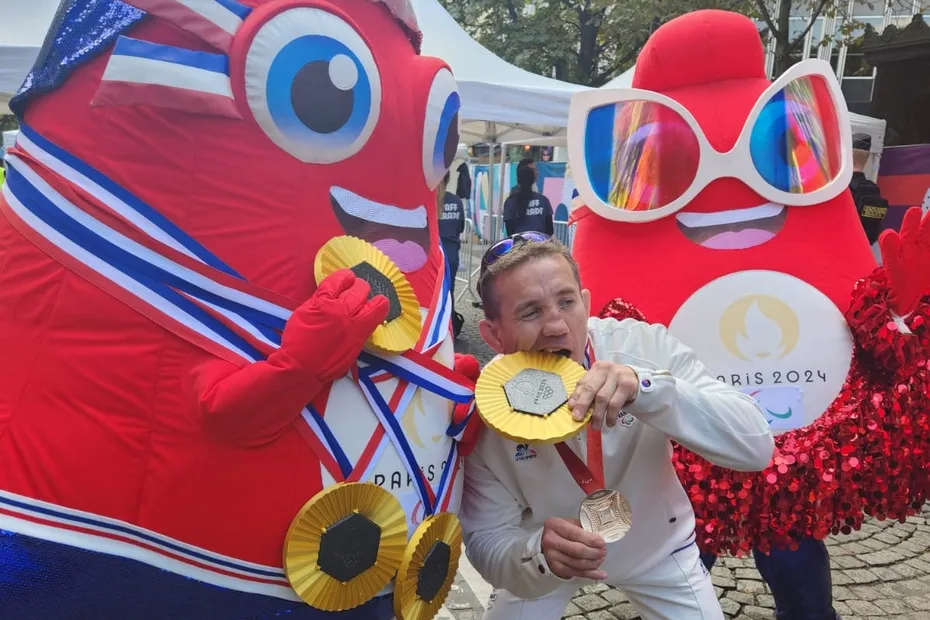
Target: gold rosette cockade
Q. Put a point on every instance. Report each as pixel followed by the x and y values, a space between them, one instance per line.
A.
pixel 524 396
pixel 428 568
pixel 401 329
pixel 345 545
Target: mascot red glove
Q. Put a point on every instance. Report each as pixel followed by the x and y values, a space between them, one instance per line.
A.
pixel 906 258
pixel 464 415
pixel 338 318
pixel 715 202
pixel 185 401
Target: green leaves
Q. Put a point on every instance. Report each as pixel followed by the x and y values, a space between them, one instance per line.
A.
pixel 591 41
pixel 582 41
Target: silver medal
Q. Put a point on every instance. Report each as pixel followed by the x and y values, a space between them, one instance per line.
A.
pixel 536 392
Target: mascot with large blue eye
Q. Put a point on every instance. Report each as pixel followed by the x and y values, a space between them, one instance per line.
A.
pixel 228 386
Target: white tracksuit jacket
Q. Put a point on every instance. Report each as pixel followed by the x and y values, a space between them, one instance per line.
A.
pixel 511 489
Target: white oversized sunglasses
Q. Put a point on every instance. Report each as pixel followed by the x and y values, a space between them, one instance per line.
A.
pixel 638 156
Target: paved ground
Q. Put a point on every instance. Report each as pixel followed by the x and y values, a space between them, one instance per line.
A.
pixel 882 571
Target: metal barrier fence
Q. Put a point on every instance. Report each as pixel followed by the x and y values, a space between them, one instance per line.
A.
pixel 473 248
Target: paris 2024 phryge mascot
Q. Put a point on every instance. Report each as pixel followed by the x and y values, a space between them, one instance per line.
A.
pixel 715 202
pixel 205 409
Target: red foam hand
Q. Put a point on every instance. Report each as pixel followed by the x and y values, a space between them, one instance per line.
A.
pixel 255 404
pixel 467 366
pixel 327 332
pixel 906 257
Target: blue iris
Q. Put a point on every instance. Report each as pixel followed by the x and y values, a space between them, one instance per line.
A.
pixel 447 135
pixel 769 146
pixel 307 104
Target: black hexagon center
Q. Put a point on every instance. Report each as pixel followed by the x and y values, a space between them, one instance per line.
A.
pixel 434 571
pixel 319 104
pixel 380 285
pixel 349 547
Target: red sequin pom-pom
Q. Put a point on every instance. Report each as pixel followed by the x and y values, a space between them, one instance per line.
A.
pixel 867 455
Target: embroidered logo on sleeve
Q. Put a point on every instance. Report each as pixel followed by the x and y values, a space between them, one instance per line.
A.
pixel 524 452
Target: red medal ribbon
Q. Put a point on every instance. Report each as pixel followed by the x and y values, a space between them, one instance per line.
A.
pixel 590 476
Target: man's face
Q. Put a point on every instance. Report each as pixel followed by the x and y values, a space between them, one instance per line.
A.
pixel 540 308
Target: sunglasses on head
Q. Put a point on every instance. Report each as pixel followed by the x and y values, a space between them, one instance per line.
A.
pixel 504 246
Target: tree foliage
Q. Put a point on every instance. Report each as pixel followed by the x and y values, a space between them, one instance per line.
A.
pixel 8 122
pixel 591 41
pixel 582 41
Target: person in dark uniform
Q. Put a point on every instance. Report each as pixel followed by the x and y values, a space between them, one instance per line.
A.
pixel 870 204
pixel 451 226
pixel 526 210
pixel 526 162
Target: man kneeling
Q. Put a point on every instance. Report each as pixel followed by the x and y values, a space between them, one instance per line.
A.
pixel 521 503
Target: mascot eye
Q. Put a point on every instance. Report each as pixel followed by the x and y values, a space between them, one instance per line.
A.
pixel 441 131
pixel 312 85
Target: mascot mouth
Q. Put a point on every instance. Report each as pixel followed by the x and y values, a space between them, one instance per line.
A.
pixel 737 229
pixel 402 234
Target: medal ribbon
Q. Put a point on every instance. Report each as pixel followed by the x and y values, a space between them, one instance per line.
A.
pixel 590 476
pixel 131 251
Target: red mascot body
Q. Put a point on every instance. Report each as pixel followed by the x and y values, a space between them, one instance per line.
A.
pixel 716 203
pixel 175 386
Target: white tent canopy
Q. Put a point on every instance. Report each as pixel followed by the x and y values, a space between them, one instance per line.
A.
pixel 22 30
pixel 500 102
pixel 624 80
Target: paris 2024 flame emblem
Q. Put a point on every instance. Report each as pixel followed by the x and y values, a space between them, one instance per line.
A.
pixel 775 337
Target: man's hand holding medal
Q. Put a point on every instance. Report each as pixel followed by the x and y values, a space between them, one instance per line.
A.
pixel 522 397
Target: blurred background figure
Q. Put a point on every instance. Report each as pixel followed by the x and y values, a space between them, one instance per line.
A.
pixel 451 220
pixel 870 204
pixel 527 210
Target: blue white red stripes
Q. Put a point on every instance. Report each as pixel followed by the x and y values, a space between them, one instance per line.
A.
pixel 141 258
pixel 110 193
pixel 215 22
pixel 80 529
pixel 424 371
pixel 144 73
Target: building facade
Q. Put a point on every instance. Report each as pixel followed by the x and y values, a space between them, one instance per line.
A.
pixel 844 34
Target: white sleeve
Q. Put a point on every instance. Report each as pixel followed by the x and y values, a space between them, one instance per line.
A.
pixel 706 416
pixel 505 554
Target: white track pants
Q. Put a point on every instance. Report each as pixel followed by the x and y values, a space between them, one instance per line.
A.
pixel 678 588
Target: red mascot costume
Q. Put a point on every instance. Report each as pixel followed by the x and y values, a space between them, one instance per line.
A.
pixel 715 202
pixel 185 361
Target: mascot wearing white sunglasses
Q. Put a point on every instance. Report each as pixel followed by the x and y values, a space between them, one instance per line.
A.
pixel 715 202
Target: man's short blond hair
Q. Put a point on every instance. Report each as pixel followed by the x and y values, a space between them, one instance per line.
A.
pixel 521 254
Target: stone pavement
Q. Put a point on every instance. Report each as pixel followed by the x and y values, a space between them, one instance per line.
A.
pixel 879 572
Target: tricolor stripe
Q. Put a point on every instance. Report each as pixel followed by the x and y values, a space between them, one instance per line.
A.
pixel 424 371
pixel 126 205
pixel 215 22
pixel 128 249
pixel 391 426
pixel 143 73
pixel 84 530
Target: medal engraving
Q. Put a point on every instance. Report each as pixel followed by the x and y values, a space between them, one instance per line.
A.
pixel 536 392
pixel 606 513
